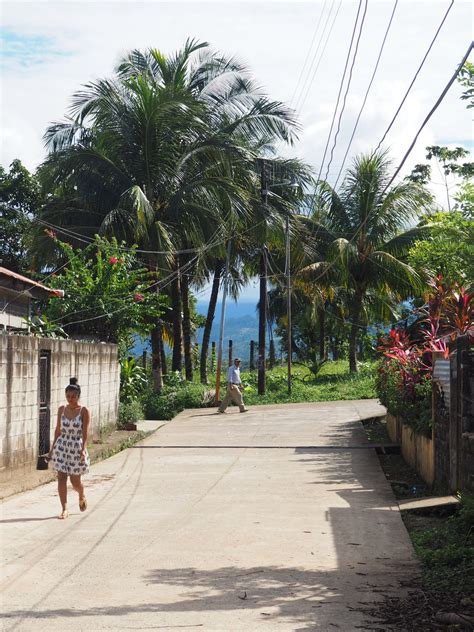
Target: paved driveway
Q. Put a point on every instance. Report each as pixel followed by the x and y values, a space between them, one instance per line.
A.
pixel 279 519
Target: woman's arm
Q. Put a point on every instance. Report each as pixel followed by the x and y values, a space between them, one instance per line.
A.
pixel 85 430
pixel 57 430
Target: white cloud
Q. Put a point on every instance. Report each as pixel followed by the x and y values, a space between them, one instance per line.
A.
pixel 272 38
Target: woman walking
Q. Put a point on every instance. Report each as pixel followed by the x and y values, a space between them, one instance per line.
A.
pixel 69 454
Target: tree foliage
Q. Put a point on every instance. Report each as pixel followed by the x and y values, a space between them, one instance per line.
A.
pixel 19 203
pixel 466 79
pixel 107 293
pixel 448 249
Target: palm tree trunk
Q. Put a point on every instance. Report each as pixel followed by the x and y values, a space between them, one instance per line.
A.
pixel 355 318
pixel 177 361
pixel 262 324
pixel 156 366
pixel 211 310
pixel 164 368
pixel 188 358
pixel 323 354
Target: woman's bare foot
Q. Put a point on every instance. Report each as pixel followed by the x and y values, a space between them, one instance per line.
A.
pixel 64 514
pixel 82 503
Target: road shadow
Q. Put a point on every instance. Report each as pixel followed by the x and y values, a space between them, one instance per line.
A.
pixel 304 599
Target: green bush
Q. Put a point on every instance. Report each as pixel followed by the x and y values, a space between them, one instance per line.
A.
pixel 129 413
pixel 174 399
pixel 132 380
pixel 412 405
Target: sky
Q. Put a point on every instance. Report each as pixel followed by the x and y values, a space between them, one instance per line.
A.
pixel 49 49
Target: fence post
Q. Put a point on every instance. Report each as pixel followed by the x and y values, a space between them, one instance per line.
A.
pixel 252 356
pixel 213 357
pixel 144 358
pixel 271 356
pixel 230 353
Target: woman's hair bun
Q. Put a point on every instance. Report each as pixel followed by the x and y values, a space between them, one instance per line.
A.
pixel 73 381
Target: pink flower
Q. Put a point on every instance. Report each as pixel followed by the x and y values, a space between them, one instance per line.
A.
pixel 138 298
pixel 113 260
pixel 50 233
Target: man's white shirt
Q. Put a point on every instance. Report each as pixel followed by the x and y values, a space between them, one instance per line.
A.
pixel 233 375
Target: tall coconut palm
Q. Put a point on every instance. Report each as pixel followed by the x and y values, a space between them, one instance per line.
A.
pixel 366 234
pixel 151 153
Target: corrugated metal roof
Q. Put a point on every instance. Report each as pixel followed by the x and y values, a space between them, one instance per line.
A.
pixel 19 277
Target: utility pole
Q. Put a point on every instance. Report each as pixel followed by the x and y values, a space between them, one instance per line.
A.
pixel 288 300
pixel 221 330
pixel 262 321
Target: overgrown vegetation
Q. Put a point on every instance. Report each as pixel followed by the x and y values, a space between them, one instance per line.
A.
pixel 175 398
pixel 129 413
pixel 441 597
pixel 447 551
pixel 403 382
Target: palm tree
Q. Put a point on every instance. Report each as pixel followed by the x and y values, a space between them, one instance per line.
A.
pixel 367 234
pixel 151 154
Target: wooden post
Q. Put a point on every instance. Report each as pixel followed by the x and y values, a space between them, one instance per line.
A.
pixel 230 353
pixel 144 358
pixel 271 357
pixel 252 355
pixel 262 323
pixel 213 356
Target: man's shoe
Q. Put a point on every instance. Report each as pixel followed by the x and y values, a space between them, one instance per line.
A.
pixel 245 410
pixel 220 412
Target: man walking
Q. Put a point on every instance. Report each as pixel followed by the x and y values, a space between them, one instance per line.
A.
pixel 234 388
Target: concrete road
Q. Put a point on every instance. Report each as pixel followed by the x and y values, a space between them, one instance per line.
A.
pixel 277 519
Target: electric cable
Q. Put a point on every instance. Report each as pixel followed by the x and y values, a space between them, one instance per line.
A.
pixel 415 76
pixel 347 88
pixel 368 90
pixel 307 57
pixel 431 112
pixel 302 99
pixel 340 87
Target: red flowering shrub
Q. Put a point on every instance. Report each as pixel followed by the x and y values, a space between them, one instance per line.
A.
pixel 403 383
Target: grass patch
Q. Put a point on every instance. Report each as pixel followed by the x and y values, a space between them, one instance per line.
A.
pixel 333 382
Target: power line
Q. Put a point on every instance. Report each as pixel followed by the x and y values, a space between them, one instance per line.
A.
pixel 368 90
pixel 302 99
pixel 90 240
pixel 431 112
pixel 307 57
pixel 340 87
pixel 415 76
pixel 347 88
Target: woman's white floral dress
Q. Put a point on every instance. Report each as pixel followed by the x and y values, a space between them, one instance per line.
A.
pixel 66 456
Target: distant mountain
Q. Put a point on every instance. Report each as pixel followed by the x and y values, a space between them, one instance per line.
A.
pixel 241 326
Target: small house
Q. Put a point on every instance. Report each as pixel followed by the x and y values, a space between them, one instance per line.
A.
pixel 17 293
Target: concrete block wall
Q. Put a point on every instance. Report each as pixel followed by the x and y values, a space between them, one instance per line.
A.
pixel 94 364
